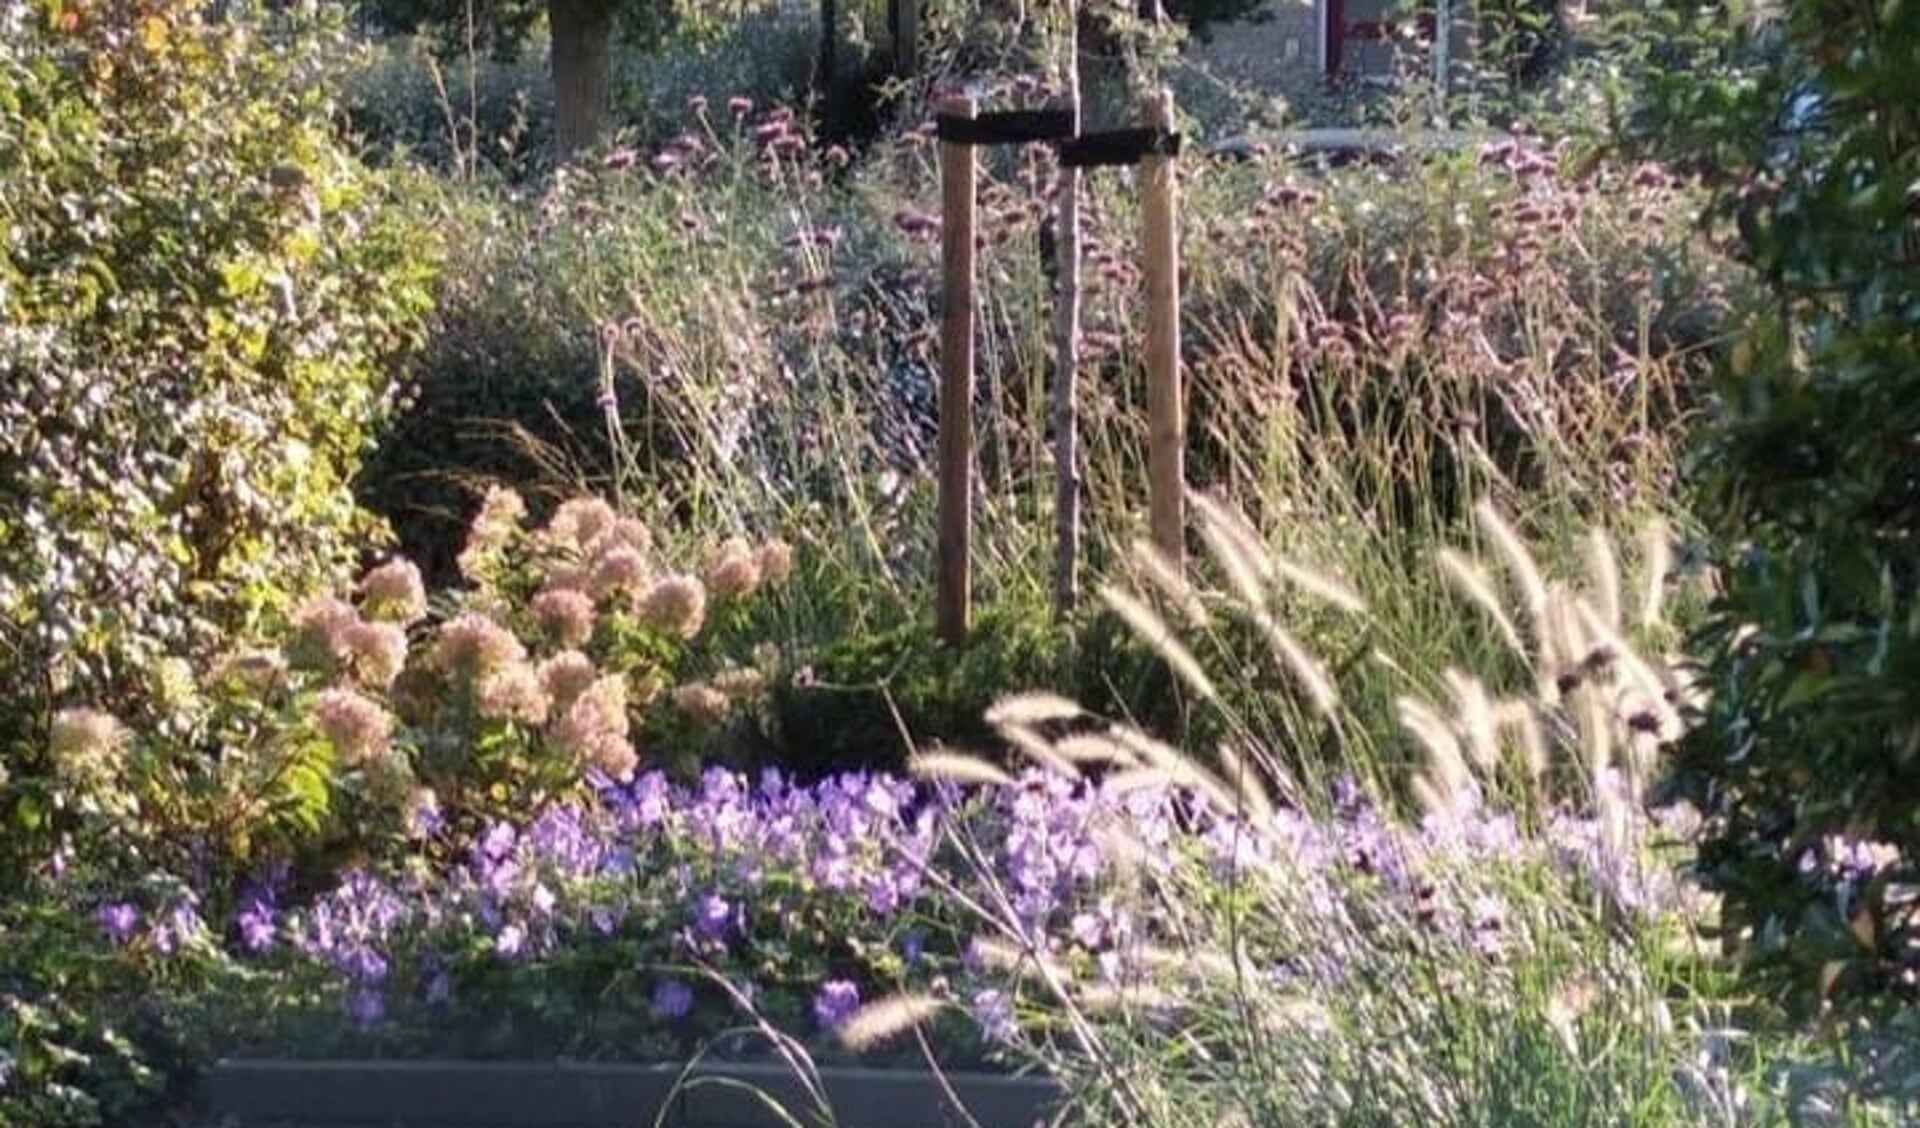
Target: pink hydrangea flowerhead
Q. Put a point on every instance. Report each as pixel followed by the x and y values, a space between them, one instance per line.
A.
pixel 317 629
pixel 566 676
pixel 565 615
pixel 594 728
pixel 473 646
pixel 85 743
pixel 514 692
pixel 674 605
pixel 373 653
pixel 493 527
pixel 394 592
pixel 702 703
pixel 260 672
pixel 734 572
pixel 357 727
pixel 775 558
pixel 620 571
pixel 578 522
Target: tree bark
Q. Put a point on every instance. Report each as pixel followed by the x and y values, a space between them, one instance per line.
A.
pixel 582 64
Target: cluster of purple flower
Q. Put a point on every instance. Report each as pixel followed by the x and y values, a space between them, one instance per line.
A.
pixel 863 862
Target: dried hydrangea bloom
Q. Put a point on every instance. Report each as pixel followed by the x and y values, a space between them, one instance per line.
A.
pixel 735 571
pixel 496 523
pixel 675 605
pixel 739 683
pixel 625 532
pixel 255 671
pixel 578 522
pixel 357 727
pixel 701 702
pixel 775 559
pixel 565 615
pixel 317 627
pixel 621 570
pixel 594 728
pixel 374 653
pixel 474 646
pixel 566 676
pixel 513 692
pixel 390 779
pixel 85 743
pixel 394 592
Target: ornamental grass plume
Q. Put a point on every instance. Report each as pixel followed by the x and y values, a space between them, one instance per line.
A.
pixel 675 605
pixel 394 592
pixel 357 727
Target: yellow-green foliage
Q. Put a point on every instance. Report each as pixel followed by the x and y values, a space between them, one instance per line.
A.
pixel 201 297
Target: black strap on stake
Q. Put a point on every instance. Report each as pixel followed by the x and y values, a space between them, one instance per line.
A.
pixel 1117 147
pixel 1005 127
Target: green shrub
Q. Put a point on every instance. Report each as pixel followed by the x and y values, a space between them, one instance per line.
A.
pixel 201 297
pixel 1809 762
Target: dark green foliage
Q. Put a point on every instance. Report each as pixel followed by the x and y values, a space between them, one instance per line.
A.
pixel 1809 760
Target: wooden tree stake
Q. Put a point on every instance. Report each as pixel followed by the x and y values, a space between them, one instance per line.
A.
pixel 1069 487
pixel 953 590
pixel 1166 422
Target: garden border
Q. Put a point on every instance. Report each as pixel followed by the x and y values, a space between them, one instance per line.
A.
pixel 507 1094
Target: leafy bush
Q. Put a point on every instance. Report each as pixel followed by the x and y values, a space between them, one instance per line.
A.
pixel 201 297
pixel 1808 760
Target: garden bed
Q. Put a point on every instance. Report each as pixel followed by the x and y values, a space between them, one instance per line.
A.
pixel 362 1094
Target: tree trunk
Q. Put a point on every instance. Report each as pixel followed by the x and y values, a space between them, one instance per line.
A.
pixel 582 53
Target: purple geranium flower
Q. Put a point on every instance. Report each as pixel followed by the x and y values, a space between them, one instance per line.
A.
pixel 118 920
pixel 836 1002
pixel 256 925
pixel 993 1010
pixel 672 999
